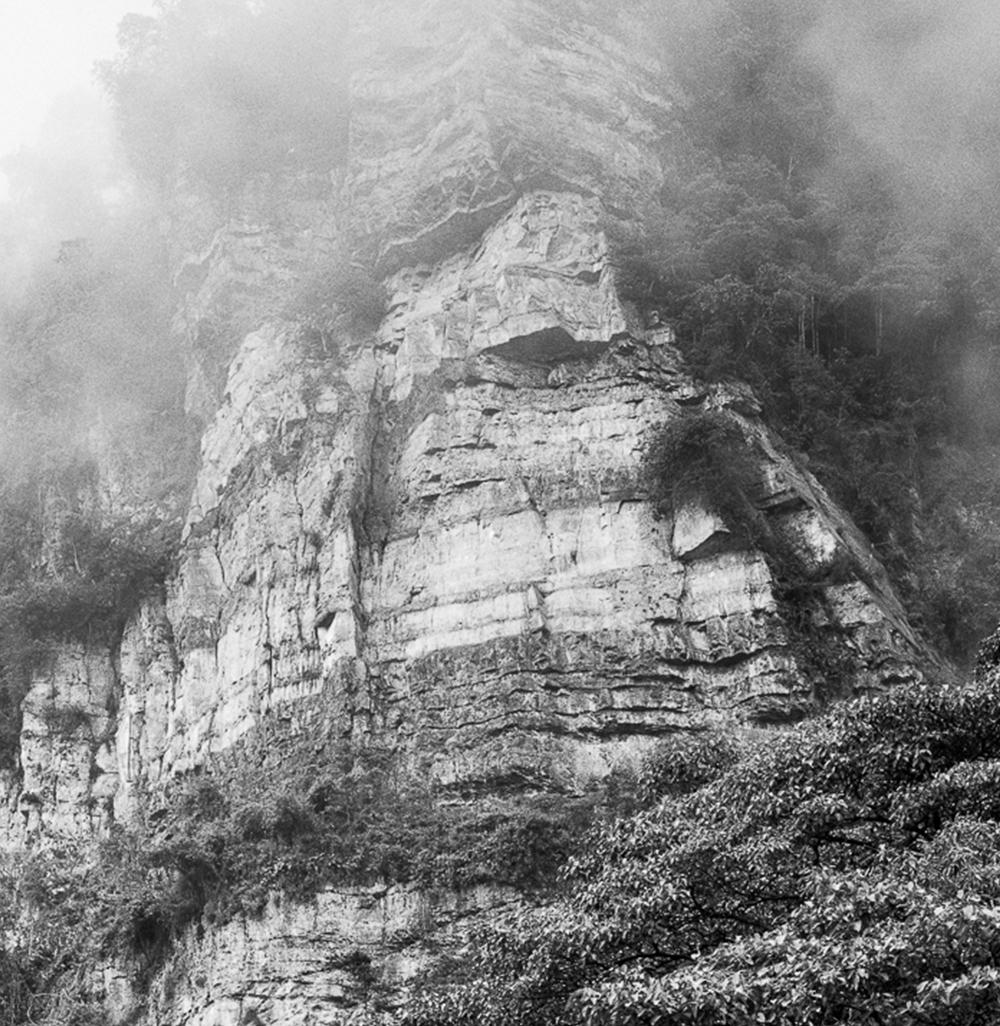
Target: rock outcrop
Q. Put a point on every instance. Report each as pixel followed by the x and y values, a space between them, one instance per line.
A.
pixel 299 964
pixel 439 535
pixel 443 538
pixel 439 532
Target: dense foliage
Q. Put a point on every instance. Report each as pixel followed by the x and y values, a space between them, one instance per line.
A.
pixel 843 872
pixel 705 457
pixel 223 844
pixel 828 231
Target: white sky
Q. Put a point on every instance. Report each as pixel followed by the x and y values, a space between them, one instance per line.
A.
pixel 48 47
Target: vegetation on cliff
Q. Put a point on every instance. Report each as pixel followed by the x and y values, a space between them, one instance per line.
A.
pixel 843 872
pixel 828 231
pixel 339 296
pixel 66 574
pixel 222 844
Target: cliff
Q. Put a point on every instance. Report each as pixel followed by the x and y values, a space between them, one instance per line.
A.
pixel 434 531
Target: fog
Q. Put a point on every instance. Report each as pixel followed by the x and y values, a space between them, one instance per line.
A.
pixel 47 50
pixel 919 80
pixel 225 90
pixel 66 185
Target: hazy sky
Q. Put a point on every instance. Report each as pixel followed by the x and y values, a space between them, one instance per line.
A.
pixel 48 47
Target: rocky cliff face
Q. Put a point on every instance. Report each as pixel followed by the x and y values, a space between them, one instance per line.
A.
pixel 327 962
pixel 438 535
pixel 443 539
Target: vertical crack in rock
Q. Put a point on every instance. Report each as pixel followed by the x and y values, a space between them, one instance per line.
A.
pixel 439 538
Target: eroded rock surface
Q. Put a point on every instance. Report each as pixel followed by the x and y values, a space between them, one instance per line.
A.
pixel 439 535
pixel 310 964
pixel 443 539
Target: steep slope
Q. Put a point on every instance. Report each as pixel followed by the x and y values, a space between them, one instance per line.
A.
pixel 438 536
pixel 444 541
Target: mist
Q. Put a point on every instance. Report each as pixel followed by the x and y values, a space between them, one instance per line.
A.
pixel 67 185
pixel 85 349
pixel 831 187
pixel 516 519
pixel 919 81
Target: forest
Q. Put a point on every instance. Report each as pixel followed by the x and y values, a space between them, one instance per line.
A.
pixel 828 231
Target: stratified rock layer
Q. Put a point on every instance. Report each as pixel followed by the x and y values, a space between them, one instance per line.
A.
pixel 438 536
pixel 442 540
pixel 445 539
pixel 308 964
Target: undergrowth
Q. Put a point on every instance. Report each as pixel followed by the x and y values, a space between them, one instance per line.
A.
pixel 68 572
pixel 222 844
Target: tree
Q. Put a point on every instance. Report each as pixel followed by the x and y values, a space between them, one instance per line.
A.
pixel 843 872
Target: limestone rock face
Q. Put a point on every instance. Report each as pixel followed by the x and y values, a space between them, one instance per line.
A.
pixel 309 965
pixel 439 536
pixel 68 770
pixel 443 539
pixel 460 107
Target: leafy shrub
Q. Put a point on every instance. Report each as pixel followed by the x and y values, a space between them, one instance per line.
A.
pixel 94 584
pixel 845 871
pixel 337 297
pixel 238 835
pixel 684 763
pixel 706 457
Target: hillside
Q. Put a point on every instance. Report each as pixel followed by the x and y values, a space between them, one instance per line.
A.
pixel 435 495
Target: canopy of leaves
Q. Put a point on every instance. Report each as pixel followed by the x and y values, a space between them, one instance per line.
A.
pixel 845 871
